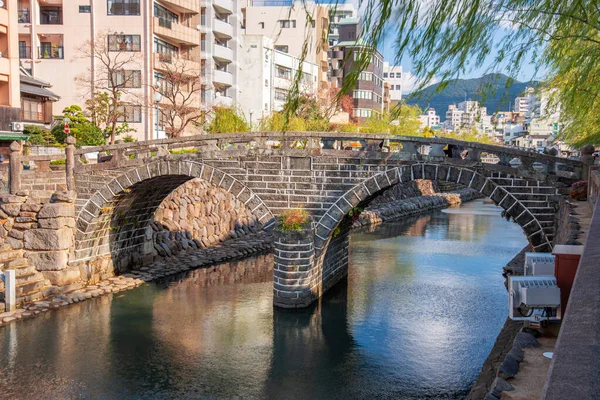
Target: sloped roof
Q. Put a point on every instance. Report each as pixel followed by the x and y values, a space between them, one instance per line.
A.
pixel 39 91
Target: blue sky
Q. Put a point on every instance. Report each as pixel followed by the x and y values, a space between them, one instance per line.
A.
pixel 386 48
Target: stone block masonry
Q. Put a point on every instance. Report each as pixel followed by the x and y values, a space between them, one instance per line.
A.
pixel 198 215
pixel 296 279
pixel 36 239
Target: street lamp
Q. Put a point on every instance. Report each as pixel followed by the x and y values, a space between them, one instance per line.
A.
pixel 157 99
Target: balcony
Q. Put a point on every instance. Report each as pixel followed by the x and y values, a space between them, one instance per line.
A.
pixel 53 53
pixel 177 32
pixel 184 6
pixel 4 67
pixel 24 16
pixel 336 54
pixel 223 77
pixel 222 53
pixel 163 62
pixel 223 101
pixel 223 28
pixel 224 6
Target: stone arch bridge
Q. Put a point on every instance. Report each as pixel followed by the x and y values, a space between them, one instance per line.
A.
pixel 327 174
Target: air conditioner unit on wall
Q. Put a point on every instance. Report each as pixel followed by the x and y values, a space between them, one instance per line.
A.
pixel 17 126
pixel 539 264
pixel 535 299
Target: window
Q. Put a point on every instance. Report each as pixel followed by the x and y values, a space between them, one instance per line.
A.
pixel 362 94
pixel 123 7
pixel 31 110
pixel 286 23
pixel 283 49
pixel 124 42
pixel 385 75
pixel 398 87
pixel 283 72
pixel 127 79
pixel 312 23
pixel 540 143
pixel 262 25
pixel 398 74
pixel 280 94
pixel 266 83
pixel 165 48
pixel 165 17
pixel 85 9
pixel 365 76
pixel 51 16
pixel 362 112
pixel 130 113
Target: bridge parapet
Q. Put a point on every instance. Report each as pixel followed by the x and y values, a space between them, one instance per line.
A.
pixel 504 159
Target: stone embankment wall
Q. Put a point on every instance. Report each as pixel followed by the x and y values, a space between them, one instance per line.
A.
pixel 198 215
pixel 35 241
pixel 412 198
pixel 567 225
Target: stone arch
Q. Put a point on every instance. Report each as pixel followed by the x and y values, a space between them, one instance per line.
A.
pixel 140 190
pixel 365 191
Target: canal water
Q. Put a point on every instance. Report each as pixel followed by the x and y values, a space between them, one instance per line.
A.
pixel 416 318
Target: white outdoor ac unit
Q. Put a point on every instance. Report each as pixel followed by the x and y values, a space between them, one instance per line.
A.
pixel 539 264
pixel 533 298
pixel 17 126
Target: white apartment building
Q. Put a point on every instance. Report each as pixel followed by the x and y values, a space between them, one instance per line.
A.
pixel 521 104
pixel 205 34
pixel 338 12
pixel 453 120
pixel 430 119
pixel 393 75
pixel 268 75
pixel 290 26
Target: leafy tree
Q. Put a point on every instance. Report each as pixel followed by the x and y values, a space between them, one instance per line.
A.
pixel 276 122
pixel 101 108
pixel 403 120
pixel 82 129
pixel 39 136
pixel 227 120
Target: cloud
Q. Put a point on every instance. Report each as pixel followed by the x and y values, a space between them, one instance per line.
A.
pixel 409 82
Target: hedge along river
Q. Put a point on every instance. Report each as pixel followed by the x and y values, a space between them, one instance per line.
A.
pixel 416 318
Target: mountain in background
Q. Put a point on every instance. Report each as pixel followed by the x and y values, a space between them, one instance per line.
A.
pixel 498 97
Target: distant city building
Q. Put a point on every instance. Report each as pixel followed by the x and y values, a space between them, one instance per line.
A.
pixel 289 26
pixel 453 118
pixel 430 119
pixel 521 104
pixel 269 75
pixel 368 92
pixel 393 75
pixel 337 12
